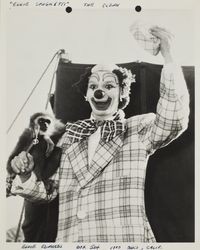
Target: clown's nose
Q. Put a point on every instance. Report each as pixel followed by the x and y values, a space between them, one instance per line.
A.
pixel 98 94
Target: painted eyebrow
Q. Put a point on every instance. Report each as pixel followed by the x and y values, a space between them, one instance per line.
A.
pixel 109 75
pixel 95 76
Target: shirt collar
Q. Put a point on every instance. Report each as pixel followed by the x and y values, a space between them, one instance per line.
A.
pixel 120 115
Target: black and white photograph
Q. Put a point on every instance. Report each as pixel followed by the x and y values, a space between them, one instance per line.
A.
pixel 100 125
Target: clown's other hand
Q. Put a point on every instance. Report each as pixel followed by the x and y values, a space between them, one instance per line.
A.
pixel 165 37
pixel 22 165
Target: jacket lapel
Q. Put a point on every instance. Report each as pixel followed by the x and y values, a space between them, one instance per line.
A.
pixel 104 154
pixel 78 158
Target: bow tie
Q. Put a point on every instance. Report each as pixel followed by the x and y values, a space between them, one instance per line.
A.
pixel 84 128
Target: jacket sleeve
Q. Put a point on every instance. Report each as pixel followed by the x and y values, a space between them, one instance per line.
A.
pixel 172 112
pixel 34 190
pixel 44 190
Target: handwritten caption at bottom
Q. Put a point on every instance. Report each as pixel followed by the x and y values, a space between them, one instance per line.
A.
pixel 102 246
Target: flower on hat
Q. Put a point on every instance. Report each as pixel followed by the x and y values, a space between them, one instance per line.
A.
pixel 128 79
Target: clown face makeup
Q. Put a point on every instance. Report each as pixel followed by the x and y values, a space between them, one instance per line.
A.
pixel 103 94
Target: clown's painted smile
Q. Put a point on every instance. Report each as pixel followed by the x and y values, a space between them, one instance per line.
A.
pixel 103 94
pixel 101 105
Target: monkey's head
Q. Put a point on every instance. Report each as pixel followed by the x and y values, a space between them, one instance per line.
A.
pixel 46 124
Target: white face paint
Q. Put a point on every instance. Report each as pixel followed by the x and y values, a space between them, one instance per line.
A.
pixel 106 106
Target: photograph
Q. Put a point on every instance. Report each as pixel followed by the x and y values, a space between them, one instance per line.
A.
pixel 100 123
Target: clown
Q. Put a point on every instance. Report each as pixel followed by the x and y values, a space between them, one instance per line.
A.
pixel 108 90
pixel 101 177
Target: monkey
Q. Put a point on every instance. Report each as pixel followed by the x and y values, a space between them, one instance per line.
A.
pixel 39 139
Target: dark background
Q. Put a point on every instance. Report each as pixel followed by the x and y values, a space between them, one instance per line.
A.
pixel 169 190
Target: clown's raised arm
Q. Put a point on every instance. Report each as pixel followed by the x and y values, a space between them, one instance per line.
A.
pixel 171 118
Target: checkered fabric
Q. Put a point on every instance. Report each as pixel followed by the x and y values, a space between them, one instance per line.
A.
pixel 147 41
pixel 104 201
pixel 82 129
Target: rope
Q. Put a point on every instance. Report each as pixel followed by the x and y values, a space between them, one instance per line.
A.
pixel 19 223
pixel 59 52
pixel 52 81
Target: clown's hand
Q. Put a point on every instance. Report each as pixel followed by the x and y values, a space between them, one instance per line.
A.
pixel 165 37
pixel 23 165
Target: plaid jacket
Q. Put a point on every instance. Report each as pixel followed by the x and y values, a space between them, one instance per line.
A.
pixel 104 201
